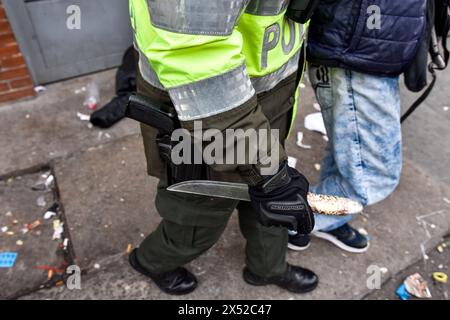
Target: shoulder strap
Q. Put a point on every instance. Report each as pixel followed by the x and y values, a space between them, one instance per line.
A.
pixel 439 60
pixel 422 98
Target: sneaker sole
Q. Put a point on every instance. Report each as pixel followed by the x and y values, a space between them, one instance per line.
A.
pixel 297 248
pixel 338 243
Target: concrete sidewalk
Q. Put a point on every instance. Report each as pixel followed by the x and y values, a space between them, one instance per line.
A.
pixel 107 204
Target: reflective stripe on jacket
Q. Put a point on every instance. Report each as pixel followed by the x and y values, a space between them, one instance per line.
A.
pixel 214 55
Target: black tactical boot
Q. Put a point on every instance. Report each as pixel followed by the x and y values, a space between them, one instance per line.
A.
pixel 177 282
pixel 295 279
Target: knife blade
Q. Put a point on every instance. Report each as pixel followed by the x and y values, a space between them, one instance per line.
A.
pixel 321 204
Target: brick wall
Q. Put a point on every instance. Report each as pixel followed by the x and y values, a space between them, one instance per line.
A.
pixel 15 80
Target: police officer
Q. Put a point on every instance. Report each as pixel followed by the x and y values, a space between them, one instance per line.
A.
pixel 233 64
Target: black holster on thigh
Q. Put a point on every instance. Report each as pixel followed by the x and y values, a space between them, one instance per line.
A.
pixel 165 120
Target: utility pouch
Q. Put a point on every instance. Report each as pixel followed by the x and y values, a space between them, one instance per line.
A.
pixel 165 120
pixel 301 10
pixel 178 172
pixel 152 113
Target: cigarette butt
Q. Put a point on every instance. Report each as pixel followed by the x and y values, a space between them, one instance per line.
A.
pixel 59 283
pixel 34 225
pixel 129 248
pixel 49 274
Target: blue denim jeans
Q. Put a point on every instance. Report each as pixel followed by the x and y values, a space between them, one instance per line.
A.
pixel 363 158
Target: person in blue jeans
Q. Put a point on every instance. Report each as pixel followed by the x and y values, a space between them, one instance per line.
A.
pixel 354 65
pixel 363 158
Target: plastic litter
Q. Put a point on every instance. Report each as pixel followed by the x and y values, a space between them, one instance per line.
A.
pixel 44 183
pixel 78 91
pixel 7 259
pixel 402 293
pixel 41 201
pixel 417 286
pixel 384 270
pixel 39 89
pixel 314 122
pixel 58 229
pixel 65 243
pixel 83 117
pixel 5 229
pixel 51 212
pixel 101 134
pixel 440 277
pixel 300 141
pixel 49 182
pixel 92 96
pixel 292 162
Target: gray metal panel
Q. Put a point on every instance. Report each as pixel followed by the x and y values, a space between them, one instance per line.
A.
pixel 54 52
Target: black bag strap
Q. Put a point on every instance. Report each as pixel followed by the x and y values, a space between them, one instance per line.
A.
pixel 445 33
pixel 422 98
pixel 438 61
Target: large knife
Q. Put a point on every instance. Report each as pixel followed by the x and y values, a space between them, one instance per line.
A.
pixel 321 204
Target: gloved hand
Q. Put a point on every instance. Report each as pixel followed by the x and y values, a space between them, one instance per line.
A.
pixel 281 200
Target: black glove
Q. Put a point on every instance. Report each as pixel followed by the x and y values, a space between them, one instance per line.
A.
pixel 281 200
